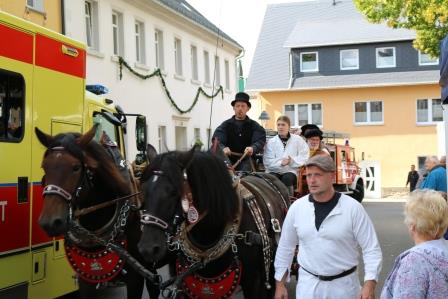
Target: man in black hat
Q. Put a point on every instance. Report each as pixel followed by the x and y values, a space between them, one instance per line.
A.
pixel 240 134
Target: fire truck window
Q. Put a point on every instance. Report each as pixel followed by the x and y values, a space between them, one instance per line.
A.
pixel 106 126
pixel 12 106
pixel 343 156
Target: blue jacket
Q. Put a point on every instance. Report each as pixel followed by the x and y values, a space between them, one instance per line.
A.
pixel 436 179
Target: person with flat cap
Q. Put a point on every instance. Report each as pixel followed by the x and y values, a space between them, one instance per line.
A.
pixel 328 227
pixel 241 135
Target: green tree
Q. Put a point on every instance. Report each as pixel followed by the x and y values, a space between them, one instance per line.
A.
pixel 429 18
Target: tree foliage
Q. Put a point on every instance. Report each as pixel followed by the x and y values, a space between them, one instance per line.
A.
pixel 429 18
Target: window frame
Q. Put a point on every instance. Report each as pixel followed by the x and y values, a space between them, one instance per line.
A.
pixel 158 48
pixel 94 25
pixel 227 74
pixel 140 55
pixel 340 59
pixel 368 122
pixel 206 56
pixel 162 138
pixel 295 121
pixel 217 72
pixel 430 115
pixel 37 5
pixel 420 63
pixel 377 57
pixel 119 32
pixel 317 62
pixel 194 62
pixel 178 70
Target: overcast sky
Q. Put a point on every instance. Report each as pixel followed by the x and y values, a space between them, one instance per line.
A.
pixel 240 19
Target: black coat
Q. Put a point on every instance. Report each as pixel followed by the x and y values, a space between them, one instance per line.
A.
pixel 237 135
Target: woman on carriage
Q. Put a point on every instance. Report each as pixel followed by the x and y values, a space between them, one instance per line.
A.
pixel 285 153
pixel 314 138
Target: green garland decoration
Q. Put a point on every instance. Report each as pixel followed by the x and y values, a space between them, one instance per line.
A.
pixel 158 73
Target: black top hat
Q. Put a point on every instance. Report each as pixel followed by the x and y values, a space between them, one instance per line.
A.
pixel 313 133
pixel 241 97
pixel 307 127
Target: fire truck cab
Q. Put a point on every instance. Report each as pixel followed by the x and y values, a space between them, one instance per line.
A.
pixel 42 84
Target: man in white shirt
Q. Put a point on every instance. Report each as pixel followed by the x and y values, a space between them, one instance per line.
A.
pixel 328 227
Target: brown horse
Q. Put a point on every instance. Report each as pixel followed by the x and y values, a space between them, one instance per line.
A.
pixel 192 208
pixel 88 200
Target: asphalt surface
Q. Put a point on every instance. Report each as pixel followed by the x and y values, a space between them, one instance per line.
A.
pixel 387 218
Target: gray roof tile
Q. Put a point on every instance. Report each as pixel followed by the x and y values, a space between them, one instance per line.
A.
pixel 189 12
pixel 305 24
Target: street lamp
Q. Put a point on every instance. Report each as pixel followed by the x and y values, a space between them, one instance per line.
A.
pixel 264 117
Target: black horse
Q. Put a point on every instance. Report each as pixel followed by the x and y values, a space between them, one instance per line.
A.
pixel 89 201
pixel 223 231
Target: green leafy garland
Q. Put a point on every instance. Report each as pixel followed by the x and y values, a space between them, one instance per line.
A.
pixel 158 73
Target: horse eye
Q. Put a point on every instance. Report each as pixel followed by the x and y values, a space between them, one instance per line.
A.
pixel 76 168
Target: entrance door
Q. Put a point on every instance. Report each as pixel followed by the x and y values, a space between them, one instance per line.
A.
pixel 371 173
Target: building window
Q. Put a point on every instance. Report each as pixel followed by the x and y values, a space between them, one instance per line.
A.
pixel 217 71
pixel 429 111
pixel 349 59
pixel 36 5
pixel 178 56
pixel 369 112
pixel 309 62
pixel 140 42
pixel 158 45
pixel 12 106
pixel 194 63
pixel 426 59
pixel 91 17
pixel 385 57
pixel 197 137
pixel 302 114
pixel 117 33
pixel 162 139
pixel 227 73
pixel 206 67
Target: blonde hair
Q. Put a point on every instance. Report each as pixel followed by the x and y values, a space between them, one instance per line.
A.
pixel 428 211
pixel 285 119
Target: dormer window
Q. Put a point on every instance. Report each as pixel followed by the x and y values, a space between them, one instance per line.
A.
pixel 349 59
pixel 309 62
pixel 385 57
pixel 426 59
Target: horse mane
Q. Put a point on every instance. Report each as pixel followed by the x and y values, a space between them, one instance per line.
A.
pixel 209 179
pixel 105 169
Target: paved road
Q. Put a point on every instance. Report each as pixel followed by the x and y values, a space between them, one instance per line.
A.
pixel 392 233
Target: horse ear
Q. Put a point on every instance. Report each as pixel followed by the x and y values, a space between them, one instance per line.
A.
pixel 45 139
pixel 87 137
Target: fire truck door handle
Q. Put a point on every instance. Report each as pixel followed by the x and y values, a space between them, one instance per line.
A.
pixel 22 189
pixel 36 267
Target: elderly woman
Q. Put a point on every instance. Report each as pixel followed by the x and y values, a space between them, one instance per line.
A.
pixel 314 139
pixel 422 271
pixel 285 153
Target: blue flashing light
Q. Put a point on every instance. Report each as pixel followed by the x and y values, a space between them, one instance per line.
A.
pixel 97 89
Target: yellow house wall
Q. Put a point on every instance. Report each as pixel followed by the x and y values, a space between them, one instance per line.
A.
pixel 396 144
pixel 50 18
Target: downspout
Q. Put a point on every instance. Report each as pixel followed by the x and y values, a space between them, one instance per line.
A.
pixel 62 17
pixel 239 70
pixel 290 70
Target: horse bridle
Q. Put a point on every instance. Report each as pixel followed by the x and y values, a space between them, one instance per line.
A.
pixel 85 180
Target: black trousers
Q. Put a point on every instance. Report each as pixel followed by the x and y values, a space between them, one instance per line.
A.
pixel 288 178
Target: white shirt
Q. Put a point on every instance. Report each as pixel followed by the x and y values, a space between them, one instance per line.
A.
pixel 275 152
pixel 333 248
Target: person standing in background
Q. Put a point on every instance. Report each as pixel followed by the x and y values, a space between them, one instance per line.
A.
pixel 412 178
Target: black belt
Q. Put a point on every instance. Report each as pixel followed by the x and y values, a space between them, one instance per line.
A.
pixel 330 278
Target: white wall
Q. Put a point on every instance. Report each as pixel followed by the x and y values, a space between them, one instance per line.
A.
pixel 147 96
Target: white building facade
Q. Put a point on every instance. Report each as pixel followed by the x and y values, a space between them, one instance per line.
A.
pixel 170 35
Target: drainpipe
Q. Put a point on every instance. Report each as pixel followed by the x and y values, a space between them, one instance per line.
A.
pixel 62 17
pixel 239 68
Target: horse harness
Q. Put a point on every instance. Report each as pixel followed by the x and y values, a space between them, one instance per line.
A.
pixel 177 240
pixel 102 265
